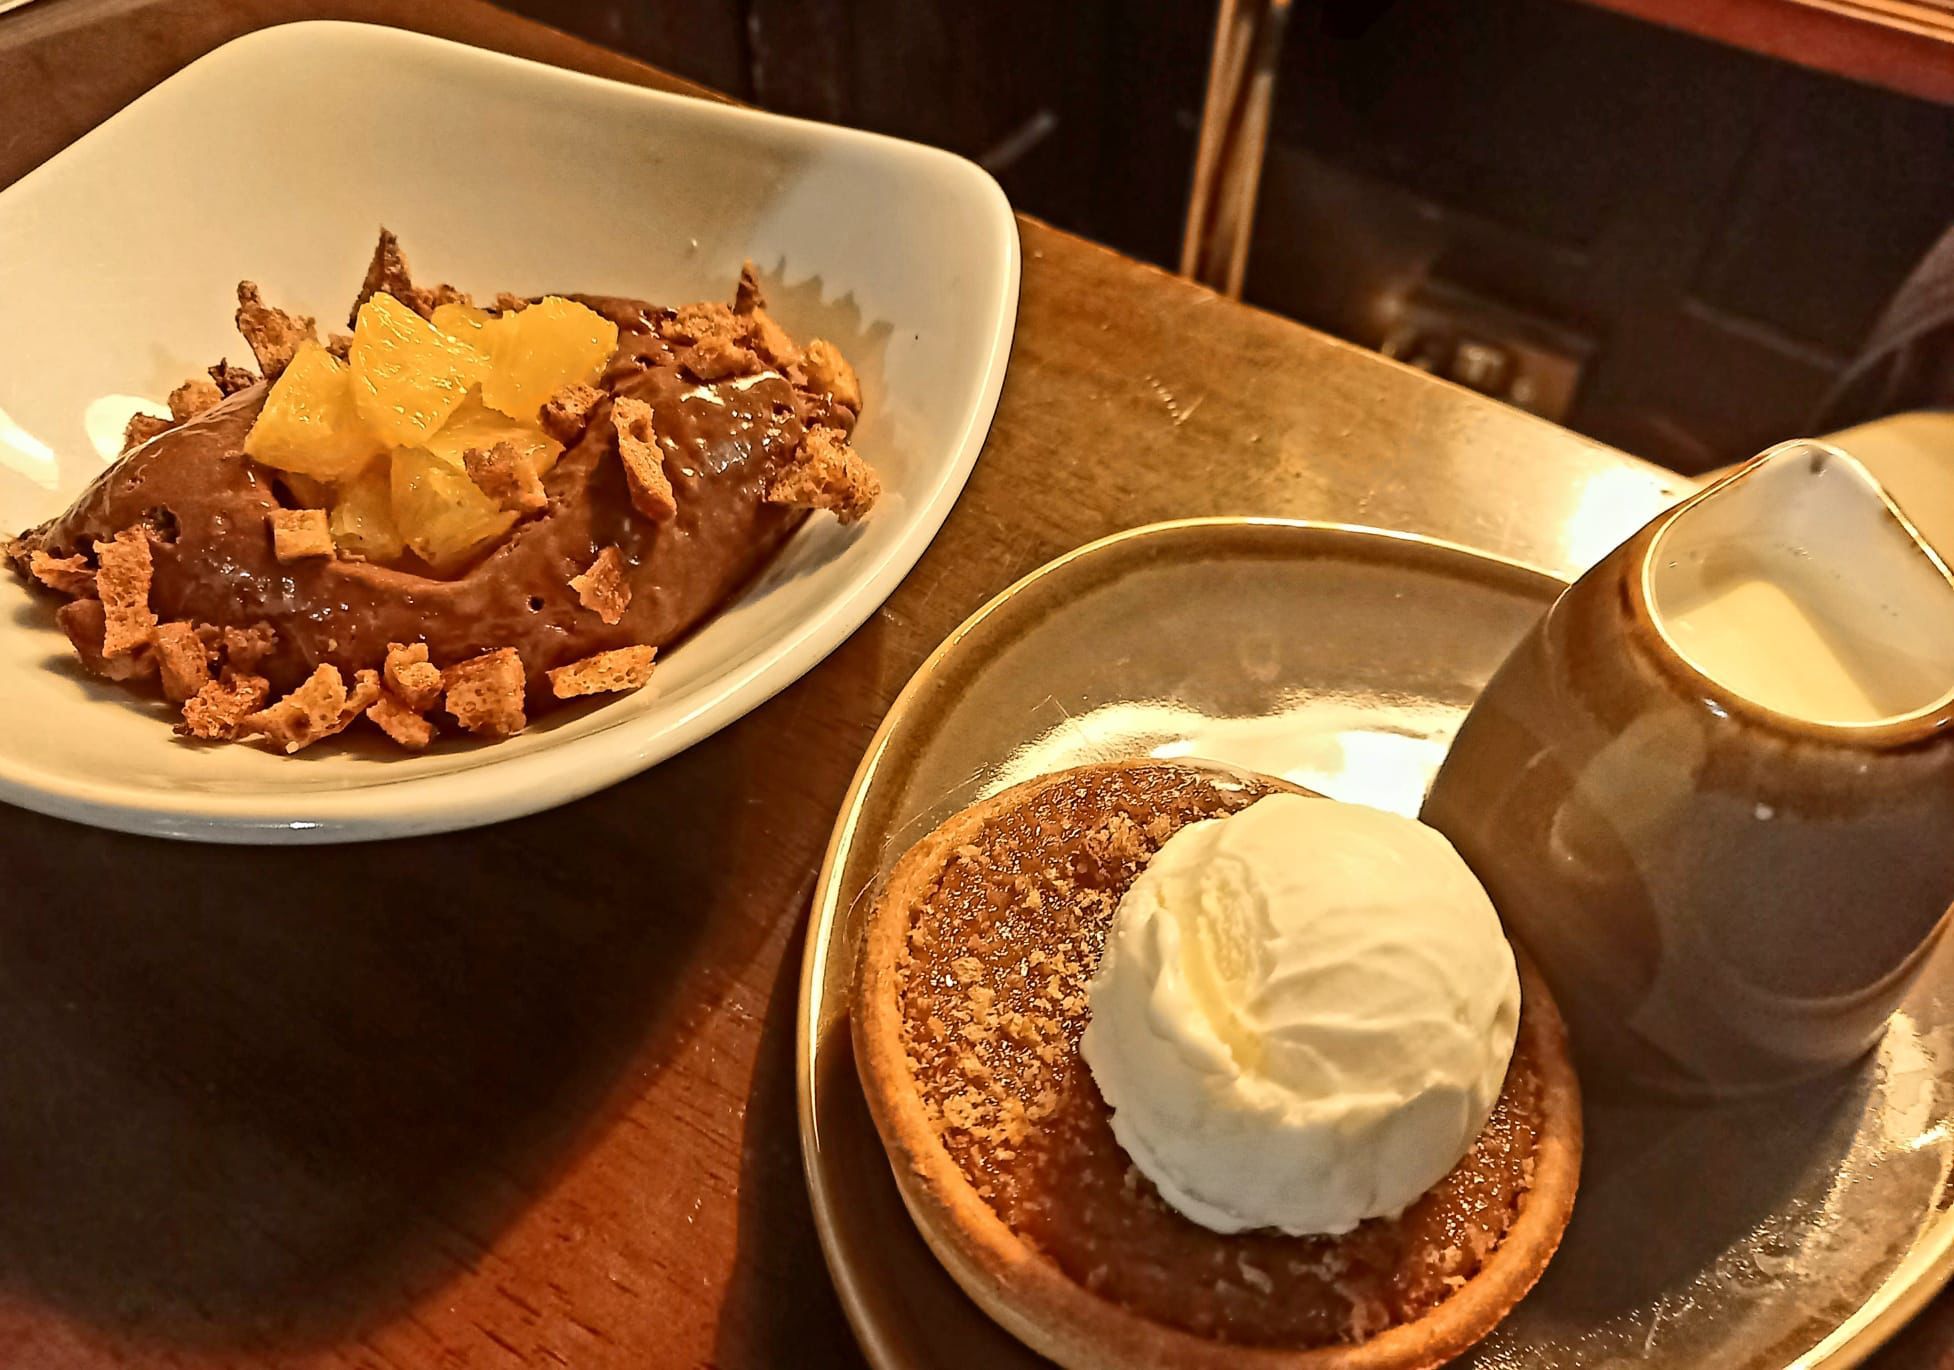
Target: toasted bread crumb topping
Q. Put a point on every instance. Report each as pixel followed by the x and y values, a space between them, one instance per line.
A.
pixel 622 668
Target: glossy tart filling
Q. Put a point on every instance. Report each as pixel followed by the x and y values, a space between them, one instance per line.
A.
pixel 992 983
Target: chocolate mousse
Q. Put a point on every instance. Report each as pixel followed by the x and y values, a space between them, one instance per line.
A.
pixel 686 460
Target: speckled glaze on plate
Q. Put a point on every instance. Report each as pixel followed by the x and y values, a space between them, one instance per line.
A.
pixel 1798 1229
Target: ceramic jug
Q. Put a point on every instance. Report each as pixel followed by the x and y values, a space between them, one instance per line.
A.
pixel 1712 792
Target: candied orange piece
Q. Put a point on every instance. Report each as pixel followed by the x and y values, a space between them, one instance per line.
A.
pixel 475 425
pixel 408 376
pixel 537 351
pixel 310 425
pixel 440 512
pixel 362 521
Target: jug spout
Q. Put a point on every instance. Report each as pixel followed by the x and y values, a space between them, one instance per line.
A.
pixel 1712 791
pixel 1797 587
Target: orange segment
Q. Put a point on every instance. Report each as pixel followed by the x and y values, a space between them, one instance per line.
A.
pixel 310 424
pixel 407 375
pixel 362 520
pixel 537 351
pixel 440 512
pixel 463 321
pixel 474 424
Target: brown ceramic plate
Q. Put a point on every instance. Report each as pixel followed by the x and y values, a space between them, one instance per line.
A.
pixel 1795 1230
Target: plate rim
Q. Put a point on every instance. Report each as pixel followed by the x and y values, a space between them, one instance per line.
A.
pixel 554 773
pixel 1920 1275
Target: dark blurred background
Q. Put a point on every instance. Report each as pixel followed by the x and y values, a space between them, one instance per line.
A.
pixel 1668 243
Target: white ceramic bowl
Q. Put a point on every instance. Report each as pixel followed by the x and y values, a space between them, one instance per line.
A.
pixel 276 158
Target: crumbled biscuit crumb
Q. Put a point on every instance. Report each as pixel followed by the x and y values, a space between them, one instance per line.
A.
pixel 85 623
pixel 602 589
pixel 711 341
pixel 246 648
pixel 964 1110
pixel 565 414
pixel 339 344
pixel 310 712
pixel 508 303
pixel 230 379
pixel 300 533
pixel 694 323
pixel 71 575
pixel 623 668
pixel 747 295
pixel 411 677
pixel 644 466
pixel 772 342
pixel 386 273
pixel 272 334
pixel 183 660
pixel 404 725
pixel 319 708
pixel 506 476
pixel 141 428
pixel 1118 841
pixel 829 372
pixel 193 397
pixel 827 474
pixel 122 584
pixel 215 711
pixel 485 693
pixel 718 359
pixel 364 695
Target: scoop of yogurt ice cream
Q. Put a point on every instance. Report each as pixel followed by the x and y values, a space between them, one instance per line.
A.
pixel 1303 1016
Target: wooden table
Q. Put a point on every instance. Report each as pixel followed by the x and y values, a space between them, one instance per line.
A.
pixel 1903 45
pixel 524 1096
